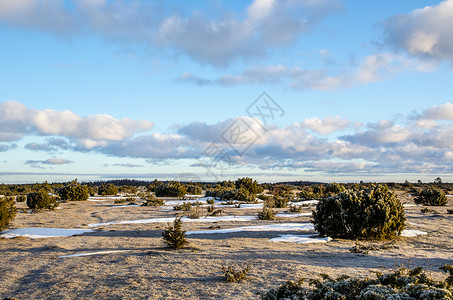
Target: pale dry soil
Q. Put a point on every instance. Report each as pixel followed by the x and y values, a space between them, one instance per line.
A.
pixel 33 269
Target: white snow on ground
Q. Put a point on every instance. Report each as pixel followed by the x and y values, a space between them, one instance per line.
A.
pixel 286 215
pixel 104 198
pixel 38 233
pixel 309 202
pixel 412 233
pixel 264 228
pixel 300 239
pixel 184 219
pixel 94 253
pixel 127 205
pixel 96 200
pixel 179 202
pixel 410 205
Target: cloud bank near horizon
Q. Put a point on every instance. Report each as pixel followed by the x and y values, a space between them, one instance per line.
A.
pixel 416 143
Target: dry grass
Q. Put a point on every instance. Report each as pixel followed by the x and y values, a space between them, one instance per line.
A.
pixel 32 269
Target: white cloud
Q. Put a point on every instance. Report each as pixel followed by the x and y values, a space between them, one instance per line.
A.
pixel 439 112
pixel 372 68
pixel 250 33
pixel 327 125
pixel 423 32
pixel 18 120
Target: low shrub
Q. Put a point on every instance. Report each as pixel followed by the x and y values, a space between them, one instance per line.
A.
pixel 402 284
pixel 185 206
pixel 267 213
pixel 450 211
pixel 370 213
pixel 195 212
pixel 124 200
pixel 8 212
pixel 170 189
pixel 107 189
pixel 210 201
pixel 153 201
pixel 280 202
pixel 431 196
pixel 295 208
pixel 194 190
pixel 21 198
pixel 41 200
pixel 232 275
pixel 174 236
pixel 73 192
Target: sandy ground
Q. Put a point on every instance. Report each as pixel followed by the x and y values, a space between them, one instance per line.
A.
pixel 33 268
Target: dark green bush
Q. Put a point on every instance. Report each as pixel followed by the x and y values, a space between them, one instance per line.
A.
pixel 21 198
pixel 170 189
pixel 402 284
pixel 7 212
pixel 374 213
pixel 73 192
pixel 334 188
pixel 107 189
pixel 41 200
pixel 174 236
pixel 431 196
pixel 194 190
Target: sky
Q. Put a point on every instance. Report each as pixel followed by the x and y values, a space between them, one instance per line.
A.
pixel 317 90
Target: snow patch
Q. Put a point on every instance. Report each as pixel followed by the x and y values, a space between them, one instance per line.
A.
pixel 39 233
pixel 300 239
pixel 295 215
pixel 412 233
pixel 263 228
pixel 94 253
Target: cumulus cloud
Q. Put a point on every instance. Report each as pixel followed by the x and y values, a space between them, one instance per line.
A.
pixel 327 125
pixel 250 33
pixel 439 112
pixel 313 144
pixel 19 120
pixel 424 33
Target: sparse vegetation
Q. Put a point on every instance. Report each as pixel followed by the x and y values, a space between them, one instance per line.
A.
pixel 150 200
pixel 267 213
pixel 431 196
pixel 370 213
pixel 174 236
pixel 401 284
pixel 232 275
pixel 7 212
pixel 295 208
pixel 362 249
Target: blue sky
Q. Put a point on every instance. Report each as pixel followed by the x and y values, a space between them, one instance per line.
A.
pixel 99 89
